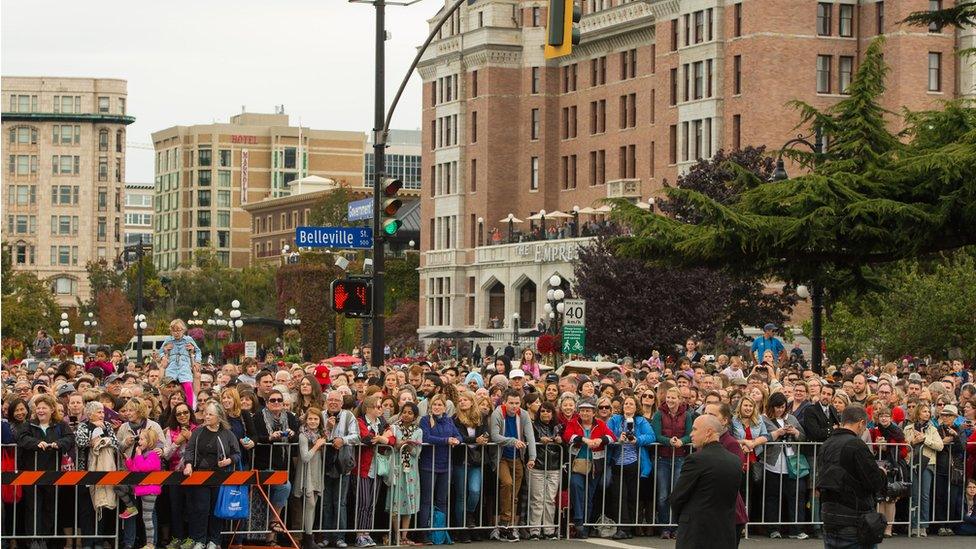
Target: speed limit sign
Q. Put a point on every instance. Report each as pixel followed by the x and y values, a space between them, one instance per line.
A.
pixel 575 312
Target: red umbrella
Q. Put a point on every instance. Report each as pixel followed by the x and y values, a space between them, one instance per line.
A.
pixel 344 360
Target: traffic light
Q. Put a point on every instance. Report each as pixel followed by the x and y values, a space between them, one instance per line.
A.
pixel 391 204
pixel 352 297
pixel 562 31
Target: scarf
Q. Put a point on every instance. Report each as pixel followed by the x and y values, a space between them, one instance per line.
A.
pixel 311 435
pixel 407 430
pixel 272 423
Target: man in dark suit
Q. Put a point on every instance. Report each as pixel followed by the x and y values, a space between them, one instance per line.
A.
pixel 704 497
pixel 820 418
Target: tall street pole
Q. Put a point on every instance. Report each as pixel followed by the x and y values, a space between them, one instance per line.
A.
pixel 139 290
pixel 379 167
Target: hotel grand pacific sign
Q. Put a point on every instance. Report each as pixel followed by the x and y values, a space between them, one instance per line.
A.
pixel 548 252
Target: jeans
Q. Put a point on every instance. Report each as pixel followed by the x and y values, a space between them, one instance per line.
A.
pixel 179 505
pixel 433 495
pixel 922 498
pixel 665 482
pixel 465 491
pixel 204 526
pixel 785 501
pixel 833 541
pixel 334 495
pixel 581 491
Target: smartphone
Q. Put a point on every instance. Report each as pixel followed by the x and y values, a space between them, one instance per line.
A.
pixel 112 415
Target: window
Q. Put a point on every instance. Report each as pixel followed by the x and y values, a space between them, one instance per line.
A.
pixel 22 224
pixel 23 103
pixel 66 135
pixel 224 158
pixel 223 178
pixel 598 167
pixel 103 104
pixel 534 173
pixel 223 219
pixel 102 168
pixel 22 195
pixel 685 130
pixel 122 106
pixel 473 178
pixel 24 254
pixel 203 199
pixel 823 73
pixel 203 239
pixel 824 11
pixel 291 158
pixel 223 199
pixel 699 27
pixel 474 127
pixel 628 64
pixel 708 24
pixel 737 20
pixel 203 157
pixel 674 87
pixel 119 141
pixel 736 131
pixel 102 231
pixel 674 34
pixel 846 20
pixel 62 285
pixel 204 177
pixel 534 129
pixel 23 164
pixel 223 239
pixel 879 17
pixel 673 144
pixel 66 164
pixel 474 83
pixel 627 117
pixel 935 72
pixel 737 75
pixel 23 135
pixel 203 218
pixel 935 5
pixel 598 71
pixel 64 194
pixel 686 78
pixel 536 17
pixel 845 67
pixel 698 79
pixel 708 78
pixel 626 161
pixel 535 79
pixel 687 25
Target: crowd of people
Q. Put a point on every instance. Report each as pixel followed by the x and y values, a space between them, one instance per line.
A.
pixel 500 448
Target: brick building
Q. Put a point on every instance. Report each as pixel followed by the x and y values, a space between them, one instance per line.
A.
pixel 654 86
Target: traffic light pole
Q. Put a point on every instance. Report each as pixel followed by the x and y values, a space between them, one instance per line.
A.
pixel 379 169
pixel 381 128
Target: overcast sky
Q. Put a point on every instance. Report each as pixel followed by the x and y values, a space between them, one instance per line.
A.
pixel 198 61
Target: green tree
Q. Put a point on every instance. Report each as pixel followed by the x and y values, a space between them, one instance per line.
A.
pixel 870 199
pixel 332 210
pixel 402 281
pixel 27 304
pixel 927 308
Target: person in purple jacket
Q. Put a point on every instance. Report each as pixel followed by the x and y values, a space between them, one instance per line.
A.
pixel 440 435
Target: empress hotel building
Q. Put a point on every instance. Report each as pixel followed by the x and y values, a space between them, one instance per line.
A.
pixel 654 86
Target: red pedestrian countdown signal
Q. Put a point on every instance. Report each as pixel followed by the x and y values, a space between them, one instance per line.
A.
pixel 352 297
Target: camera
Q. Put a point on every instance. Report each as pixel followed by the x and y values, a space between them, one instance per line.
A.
pixel 897 489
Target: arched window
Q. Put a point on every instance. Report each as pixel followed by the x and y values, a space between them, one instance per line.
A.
pixel 103 140
pixel 64 285
pixel 119 141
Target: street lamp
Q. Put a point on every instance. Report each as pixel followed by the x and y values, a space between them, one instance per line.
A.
pixel 554 298
pixel 64 330
pixel 139 325
pixel 576 210
pixel 292 321
pixel 816 301
pixel 288 256
pixel 216 321
pixel 90 324
pixel 235 318
pixel 195 321
pixel 515 328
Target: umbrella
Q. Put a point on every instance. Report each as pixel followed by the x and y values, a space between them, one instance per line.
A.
pixel 586 210
pixel 344 360
pixel 603 209
pixel 438 335
pixel 558 214
pixel 587 366
pixel 456 334
pixel 475 334
pixel 511 220
pixel 643 205
pixel 531 333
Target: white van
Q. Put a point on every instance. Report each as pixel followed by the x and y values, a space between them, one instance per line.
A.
pixel 150 344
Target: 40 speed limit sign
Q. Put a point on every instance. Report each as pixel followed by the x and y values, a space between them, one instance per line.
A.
pixel 574 326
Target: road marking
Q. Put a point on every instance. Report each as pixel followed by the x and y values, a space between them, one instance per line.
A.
pixel 615 544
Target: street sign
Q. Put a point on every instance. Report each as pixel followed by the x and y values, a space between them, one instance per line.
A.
pixel 250 349
pixel 334 237
pixel 79 340
pixel 574 340
pixel 361 209
pixel 574 313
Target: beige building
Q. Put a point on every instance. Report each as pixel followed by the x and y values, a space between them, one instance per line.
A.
pixel 206 174
pixel 654 86
pixel 64 142
pixel 138 213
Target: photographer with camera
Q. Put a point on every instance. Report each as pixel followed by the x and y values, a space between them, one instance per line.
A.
pixel 849 482
pixel 888 441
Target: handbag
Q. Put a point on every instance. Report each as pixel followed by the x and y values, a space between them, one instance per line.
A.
pixel 797 466
pixel 233 502
pixel 582 466
pixel 382 461
pixel 870 528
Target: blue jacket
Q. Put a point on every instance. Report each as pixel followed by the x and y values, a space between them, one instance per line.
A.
pixel 436 454
pixel 645 438
pixel 180 366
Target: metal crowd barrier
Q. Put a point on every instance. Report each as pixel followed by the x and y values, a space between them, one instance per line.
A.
pixel 509 496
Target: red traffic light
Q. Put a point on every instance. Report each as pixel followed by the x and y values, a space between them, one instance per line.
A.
pixel 393 186
pixel 352 297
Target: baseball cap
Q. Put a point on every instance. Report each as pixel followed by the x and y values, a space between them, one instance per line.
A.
pixel 112 378
pixel 949 410
pixel 769 326
pixel 552 377
pixel 587 404
pixel 915 376
pixel 516 373
pixel 360 376
pixel 167 380
pixel 65 389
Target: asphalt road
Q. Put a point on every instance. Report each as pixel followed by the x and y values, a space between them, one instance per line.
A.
pixel 757 543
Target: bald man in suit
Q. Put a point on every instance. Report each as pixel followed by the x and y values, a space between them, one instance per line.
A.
pixel 704 496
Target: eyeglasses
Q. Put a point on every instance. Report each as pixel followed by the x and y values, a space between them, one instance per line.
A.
pixel 273 400
pixel 183 413
pixel 603 407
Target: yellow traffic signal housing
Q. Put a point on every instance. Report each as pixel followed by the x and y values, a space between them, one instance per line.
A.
pixel 562 31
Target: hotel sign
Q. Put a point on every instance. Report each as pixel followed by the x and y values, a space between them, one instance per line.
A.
pixel 244 163
pixel 244 139
pixel 549 252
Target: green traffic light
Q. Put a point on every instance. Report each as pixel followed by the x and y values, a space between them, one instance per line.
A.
pixel 391 227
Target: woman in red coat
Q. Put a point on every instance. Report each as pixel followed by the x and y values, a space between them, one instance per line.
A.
pixel 587 437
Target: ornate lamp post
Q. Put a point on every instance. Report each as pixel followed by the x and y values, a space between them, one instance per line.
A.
pixel 90 324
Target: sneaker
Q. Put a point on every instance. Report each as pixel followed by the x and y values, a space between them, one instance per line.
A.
pixel 199 546
pixel 495 535
pixel 369 541
pixel 129 513
pixel 361 541
pixel 187 544
pixel 513 535
pixel 775 534
pixel 212 545
pixel 665 534
pixel 801 535
pixel 922 532
pixel 341 543
pixel 174 543
pixel 550 536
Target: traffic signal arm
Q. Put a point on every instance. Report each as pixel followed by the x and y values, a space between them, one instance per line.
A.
pixel 562 29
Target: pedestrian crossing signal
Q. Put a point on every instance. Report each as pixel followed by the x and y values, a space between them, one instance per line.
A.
pixel 352 298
